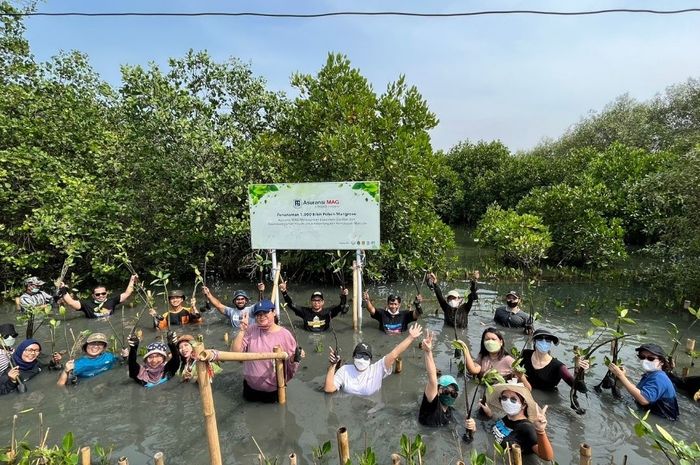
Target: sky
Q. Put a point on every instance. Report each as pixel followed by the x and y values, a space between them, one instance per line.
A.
pixel 516 78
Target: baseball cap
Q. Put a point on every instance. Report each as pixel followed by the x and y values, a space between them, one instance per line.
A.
pixel 263 306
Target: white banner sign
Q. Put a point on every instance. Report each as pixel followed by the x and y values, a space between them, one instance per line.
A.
pixel 318 215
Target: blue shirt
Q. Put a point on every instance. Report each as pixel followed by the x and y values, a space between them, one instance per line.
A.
pixel 87 367
pixel 657 388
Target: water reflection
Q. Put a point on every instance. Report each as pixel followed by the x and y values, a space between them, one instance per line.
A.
pixel 113 410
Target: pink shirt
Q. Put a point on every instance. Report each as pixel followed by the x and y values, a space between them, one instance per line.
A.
pixel 504 366
pixel 260 374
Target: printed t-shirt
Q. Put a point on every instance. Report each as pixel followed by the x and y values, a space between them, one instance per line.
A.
pixel 520 432
pixel 99 310
pixel 393 323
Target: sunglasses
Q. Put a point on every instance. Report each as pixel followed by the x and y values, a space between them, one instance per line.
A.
pixel 98 294
pixel 512 400
pixel 316 300
pixel 450 392
pixel 362 356
pixel 649 358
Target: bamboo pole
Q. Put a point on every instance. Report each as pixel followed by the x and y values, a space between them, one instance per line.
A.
pixel 292 459
pixel 85 455
pixel 226 337
pixel 686 372
pixel 356 298
pixel 395 459
pixel 281 382
pixel 275 286
pixel 243 356
pixel 459 462
pixel 205 394
pixel 343 445
pixel 690 345
pixel 123 461
pixel 517 454
pixel 585 454
pixel 159 458
pixel 18 307
pixel 398 365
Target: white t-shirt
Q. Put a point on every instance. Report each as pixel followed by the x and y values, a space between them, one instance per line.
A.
pixel 361 383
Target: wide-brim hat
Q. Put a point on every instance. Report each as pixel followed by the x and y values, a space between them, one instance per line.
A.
pixel 653 349
pixel 492 398
pixel 454 293
pixel 240 293
pixel 176 293
pixel 448 380
pixel 8 330
pixel 156 348
pixel 95 337
pixel 544 333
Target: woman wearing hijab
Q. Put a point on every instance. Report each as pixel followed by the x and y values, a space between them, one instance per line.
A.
pixel 155 370
pixel 23 365
pixel 524 422
pixel 655 390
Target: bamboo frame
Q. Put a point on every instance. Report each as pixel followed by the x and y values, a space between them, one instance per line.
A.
pixel 585 454
pixel 343 445
pixel 210 426
pixel 243 356
pixel 517 454
pixel 281 381
pixel 690 345
pixel 85 455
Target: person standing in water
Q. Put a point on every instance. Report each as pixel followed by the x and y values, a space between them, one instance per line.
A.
pixel 364 378
pixel 493 355
pixel 440 394
pixel 241 305
pixel 456 310
pixel 393 320
pixel 316 317
pixel 156 369
pixel 544 371
pixel 511 315
pixel 96 360
pixel 101 304
pixel 177 314
pixel 8 334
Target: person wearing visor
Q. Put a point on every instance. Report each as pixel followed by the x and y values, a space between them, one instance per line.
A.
pixel 510 315
pixel 259 377
pixel 655 391
pixel 8 335
pixel 364 378
pixel 241 305
pixel 456 310
pixel 544 371
pixel 101 304
pixel 33 296
pixel 96 360
pixel 316 317
pixel 393 320
pixel 440 394
pixel 524 422
pixel 177 314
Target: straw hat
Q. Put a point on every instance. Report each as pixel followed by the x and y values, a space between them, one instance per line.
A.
pixel 185 338
pixel 492 398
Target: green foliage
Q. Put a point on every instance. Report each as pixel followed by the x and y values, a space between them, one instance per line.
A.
pixel 580 232
pixel 412 451
pixel 321 452
pixel 521 240
pixel 674 451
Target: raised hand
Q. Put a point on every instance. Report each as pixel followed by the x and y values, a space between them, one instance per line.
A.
pixel 427 344
pixel 283 287
pixel 70 364
pixel 415 330
pixel 541 420
pixel 470 424
pixel 333 357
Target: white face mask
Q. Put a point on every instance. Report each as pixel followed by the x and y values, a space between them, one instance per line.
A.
pixel 9 341
pixel 511 408
pixel 361 364
pixel 648 366
pixel 454 303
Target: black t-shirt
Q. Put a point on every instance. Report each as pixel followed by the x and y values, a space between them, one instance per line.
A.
pixel 432 414
pixel 505 317
pixel 457 316
pixel 545 378
pixel 393 323
pixel 316 321
pixel 106 308
pixel 520 432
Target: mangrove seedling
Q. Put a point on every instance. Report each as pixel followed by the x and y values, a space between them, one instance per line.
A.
pixel 609 381
pixel 676 452
pixel 412 451
pixel 53 324
pixel 319 453
pixel 368 457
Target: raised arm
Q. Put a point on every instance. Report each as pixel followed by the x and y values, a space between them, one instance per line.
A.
pixel 433 284
pixel 237 344
pixel 213 300
pixel 413 332
pixel 343 302
pixel 129 288
pixel 174 362
pixel 134 367
pixel 288 300
pixel 417 307
pixel 473 367
pixel 368 301
pixel 431 386
pixel 70 301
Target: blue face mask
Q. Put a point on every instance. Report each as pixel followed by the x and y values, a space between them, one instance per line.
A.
pixel 543 346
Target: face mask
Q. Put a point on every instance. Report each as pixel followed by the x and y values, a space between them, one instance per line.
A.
pixel 35 290
pixel 512 303
pixel 511 408
pixel 361 364
pixel 454 303
pixel 9 341
pixel 542 346
pixel 492 346
pixel 649 366
pixel 393 313
pixel 446 399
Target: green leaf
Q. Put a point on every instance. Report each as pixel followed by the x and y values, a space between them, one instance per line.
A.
pixel 67 443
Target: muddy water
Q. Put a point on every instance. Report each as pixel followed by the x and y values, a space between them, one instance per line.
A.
pixel 113 410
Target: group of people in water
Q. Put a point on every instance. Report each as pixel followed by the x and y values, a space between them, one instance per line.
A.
pixel 257 330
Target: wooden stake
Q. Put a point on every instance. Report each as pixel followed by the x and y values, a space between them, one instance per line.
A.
pixel 690 345
pixel 159 458
pixel 123 461
pixel 18 307
pixel 281 382
pixel 517 454
pixel 292 459
pixel 395 459
pixel 226 337
pixel 85 455
pixel 356 298
pixel 459 462
pixel 398 365
pixel 343 445
pixel 205 394
pixel 686 372
pixel 585 454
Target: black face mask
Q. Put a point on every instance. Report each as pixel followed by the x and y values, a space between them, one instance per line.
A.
pixel 512 303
